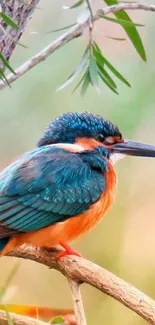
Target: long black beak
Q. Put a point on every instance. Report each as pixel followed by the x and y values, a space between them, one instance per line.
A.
pixel 133 148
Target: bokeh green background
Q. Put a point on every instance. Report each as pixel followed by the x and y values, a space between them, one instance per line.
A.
pixel 124 242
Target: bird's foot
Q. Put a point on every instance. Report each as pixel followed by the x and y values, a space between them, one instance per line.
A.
pixel 68 251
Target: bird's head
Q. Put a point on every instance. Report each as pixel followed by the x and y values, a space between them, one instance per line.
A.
pixel 93 132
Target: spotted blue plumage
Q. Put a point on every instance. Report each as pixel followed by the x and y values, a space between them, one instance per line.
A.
pixel 49 185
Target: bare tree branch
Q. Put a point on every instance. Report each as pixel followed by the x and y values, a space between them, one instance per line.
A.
pixel 73 33
pixel 84 271
pixel 77 302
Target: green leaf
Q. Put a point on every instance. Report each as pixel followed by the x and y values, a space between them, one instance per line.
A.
pixel 102 60
pixel 8 317
pixel 130 30
pixel 57 320
pixel 79 83
pixel 8 20
pixel 77 71
pixel 115 38
pixel 93 71
pixel 110 37
pixel 86 83
pixel 63 28
pixel 22 45
pixel 6 63
pixel 106 75
pixel 107 83
pixel 120 21
pixel 3 77
pixel 95 46
pixel 77 4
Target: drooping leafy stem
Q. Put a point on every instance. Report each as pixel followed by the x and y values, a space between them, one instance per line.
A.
pixel 91 75
pixel 96 65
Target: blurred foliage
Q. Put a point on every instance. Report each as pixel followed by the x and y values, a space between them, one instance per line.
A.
pixel 124 242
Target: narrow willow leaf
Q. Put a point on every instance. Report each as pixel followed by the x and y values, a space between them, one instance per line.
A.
pixel 98 55
pixel 107 83
pixel 86 83
pixel 110 37
pixel 22 45
pixel 77 4
pixel 120 21
pixel 8 317
pixel 115 38
pixel 97 47
pixel 63 28
pixel 77 71
pixel 130 30
pixel 3 77
pixel 8 20
pixel 79 83
pixel 102 60
pixel 93 71
pixel 106 75
pixel 6 63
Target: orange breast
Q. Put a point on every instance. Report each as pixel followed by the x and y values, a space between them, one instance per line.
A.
pixel 73 227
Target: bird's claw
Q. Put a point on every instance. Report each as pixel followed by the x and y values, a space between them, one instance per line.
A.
pixel 68 251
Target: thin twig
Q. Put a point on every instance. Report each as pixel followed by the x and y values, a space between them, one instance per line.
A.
pixel 74 32
pixel 77 302
pixel 85 271
pixel 90 25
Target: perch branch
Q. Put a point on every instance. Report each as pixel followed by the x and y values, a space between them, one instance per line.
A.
pixel 84 271
pixel 19 320
pixel 73 33
pixel 77 302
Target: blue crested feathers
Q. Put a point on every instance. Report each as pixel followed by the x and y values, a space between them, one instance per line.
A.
pixel 67 127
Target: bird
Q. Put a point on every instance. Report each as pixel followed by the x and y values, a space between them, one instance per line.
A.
pixel 63 187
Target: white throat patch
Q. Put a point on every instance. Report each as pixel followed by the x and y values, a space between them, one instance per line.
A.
pixel 114 157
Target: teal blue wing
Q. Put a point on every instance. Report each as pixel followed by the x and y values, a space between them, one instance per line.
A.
pixel 46 186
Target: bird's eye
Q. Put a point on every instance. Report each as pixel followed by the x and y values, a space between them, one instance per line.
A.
pixel 100 137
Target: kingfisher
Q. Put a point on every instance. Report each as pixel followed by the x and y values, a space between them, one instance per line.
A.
pixel 63 188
